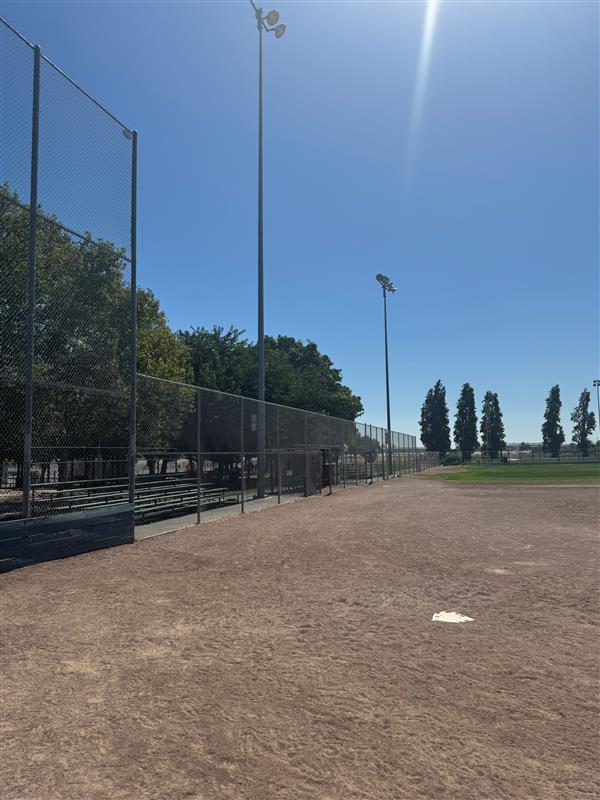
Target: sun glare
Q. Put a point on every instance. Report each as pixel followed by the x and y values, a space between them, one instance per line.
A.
pixel 416 116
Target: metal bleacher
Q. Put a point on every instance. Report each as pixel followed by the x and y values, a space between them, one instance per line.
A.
pixel 152 497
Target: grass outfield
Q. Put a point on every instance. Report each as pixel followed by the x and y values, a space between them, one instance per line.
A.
pixel 518 473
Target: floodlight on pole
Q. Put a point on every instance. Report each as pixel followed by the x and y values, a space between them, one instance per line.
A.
pixel 387 286
pixel 263 23
pixel 386 283
pixel 596 384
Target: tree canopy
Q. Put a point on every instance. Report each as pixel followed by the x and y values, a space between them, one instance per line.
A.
pixel 584 422
pixel 552 431
pixel 435 427
pixel 492 425
pixel 296 374
pixel 465 426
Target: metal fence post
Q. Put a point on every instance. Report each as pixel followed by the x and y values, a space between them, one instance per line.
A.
pixel 242 457
pixel 133 321
pixel 306 461
pixel 199 452
pixel 329 454
pixel 31 259
pixel 278 462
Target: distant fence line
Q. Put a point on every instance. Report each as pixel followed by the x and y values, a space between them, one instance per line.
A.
pixel 533 454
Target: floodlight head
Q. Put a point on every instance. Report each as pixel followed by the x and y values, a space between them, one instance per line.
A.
pixel 272 18
pixel 388 286
pixel 279 30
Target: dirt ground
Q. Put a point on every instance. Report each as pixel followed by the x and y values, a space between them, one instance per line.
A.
pixel 291 654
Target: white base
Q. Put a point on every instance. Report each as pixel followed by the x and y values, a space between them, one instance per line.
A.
pixel 450 616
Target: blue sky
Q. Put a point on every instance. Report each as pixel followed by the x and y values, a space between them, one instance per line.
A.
pixel 488 224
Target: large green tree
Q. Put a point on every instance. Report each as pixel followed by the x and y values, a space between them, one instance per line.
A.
pixel 296 374
pixel 552 431
pixel 465 425
pixel 435 427
pixel 492 425
pixel 81 345
pixel 584 422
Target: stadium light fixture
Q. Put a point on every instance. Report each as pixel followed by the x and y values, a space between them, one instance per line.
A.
pixel 386 283
pixel 263 23
pixel 387 286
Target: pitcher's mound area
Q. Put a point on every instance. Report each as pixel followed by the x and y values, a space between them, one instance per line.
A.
pixel 292 654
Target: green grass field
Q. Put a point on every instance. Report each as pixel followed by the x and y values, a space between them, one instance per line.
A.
pixel 521 473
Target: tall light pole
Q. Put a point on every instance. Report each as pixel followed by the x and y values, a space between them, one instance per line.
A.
pixel 269 23
pixel 597 385
pixel 387 286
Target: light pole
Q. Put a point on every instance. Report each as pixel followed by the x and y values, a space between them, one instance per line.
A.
pixel 597 385
pixel 270 23
pixel 387 286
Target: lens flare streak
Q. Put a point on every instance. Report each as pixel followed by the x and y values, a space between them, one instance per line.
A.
pixel 416 116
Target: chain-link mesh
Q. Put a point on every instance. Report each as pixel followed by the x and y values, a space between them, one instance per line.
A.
pixel 303 452
pixel 16 90
pixel 84 163
pixel 78 373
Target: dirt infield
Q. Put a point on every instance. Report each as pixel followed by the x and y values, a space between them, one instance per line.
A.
pixel 291 654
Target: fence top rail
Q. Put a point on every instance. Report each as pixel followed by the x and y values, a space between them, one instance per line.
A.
pixel 74 83
pixel 266 402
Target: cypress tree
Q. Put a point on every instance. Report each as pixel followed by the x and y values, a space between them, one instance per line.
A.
pixel 584 422
pixel 465 426
pixel 492 425
pixel 552 431
pixel 435 427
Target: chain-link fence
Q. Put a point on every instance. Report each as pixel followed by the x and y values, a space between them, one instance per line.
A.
pixel 70 410
pixel 536 454
pixel 197 448
pixel 67 284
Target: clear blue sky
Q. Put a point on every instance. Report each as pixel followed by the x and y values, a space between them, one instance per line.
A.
pixel 487 218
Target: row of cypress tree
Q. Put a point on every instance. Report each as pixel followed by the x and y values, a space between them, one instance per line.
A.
pixel 435 426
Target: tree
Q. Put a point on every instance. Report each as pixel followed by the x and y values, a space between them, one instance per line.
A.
pixel 552 431
pixel 221 360
pixel 584 422
pixel 435 428
pixel 296 374
pixel 465 427
pixel 492 426
pixel 81 361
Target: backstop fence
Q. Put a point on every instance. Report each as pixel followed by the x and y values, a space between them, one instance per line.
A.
pixel 79 430
pixel 67 278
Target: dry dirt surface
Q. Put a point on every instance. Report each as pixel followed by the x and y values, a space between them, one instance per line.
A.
pixel 291 654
